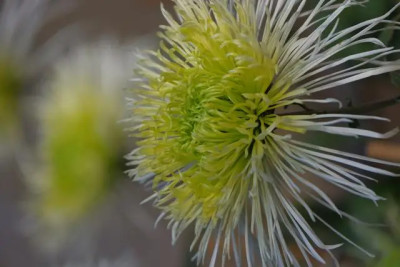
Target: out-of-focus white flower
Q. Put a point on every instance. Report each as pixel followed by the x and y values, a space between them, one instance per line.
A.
pixel 81 137
pixel 126 260
pixel 21 21
pixel 22 55
pixel 213 138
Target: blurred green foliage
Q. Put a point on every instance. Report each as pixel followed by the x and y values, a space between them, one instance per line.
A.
pixel 370 10
pixel 391 260
pixel 10 87
pixel 382 240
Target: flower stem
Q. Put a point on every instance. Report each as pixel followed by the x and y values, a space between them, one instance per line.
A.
pixel 369 107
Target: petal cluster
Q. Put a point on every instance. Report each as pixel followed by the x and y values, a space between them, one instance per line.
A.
pixel 212 137
pixel 81 139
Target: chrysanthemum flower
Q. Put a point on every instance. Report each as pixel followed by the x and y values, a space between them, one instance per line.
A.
pixel 214 141
pixel 81 137
pixel 21 55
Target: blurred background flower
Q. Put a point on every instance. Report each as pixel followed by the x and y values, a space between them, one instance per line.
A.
pixel 81 141
pixel 22 55
pixel 64 198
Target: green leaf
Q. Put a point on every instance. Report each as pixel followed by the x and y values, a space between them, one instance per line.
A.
pixel 395 78
pixel 390 260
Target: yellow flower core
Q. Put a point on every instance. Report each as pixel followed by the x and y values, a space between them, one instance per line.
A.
pixel 80 149
pixel 205 112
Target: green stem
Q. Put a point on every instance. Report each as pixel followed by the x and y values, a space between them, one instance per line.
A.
pixel 351 110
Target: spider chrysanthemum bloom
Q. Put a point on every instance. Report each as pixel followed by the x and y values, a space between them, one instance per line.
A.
pixel 22 55
pixel 81 138
pixel 212 141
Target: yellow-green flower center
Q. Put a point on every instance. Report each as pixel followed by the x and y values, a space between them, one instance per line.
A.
pixel 208 106
pixel 80 148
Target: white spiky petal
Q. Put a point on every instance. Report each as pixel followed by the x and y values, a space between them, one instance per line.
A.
pixel 21 22
pixel 304 47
